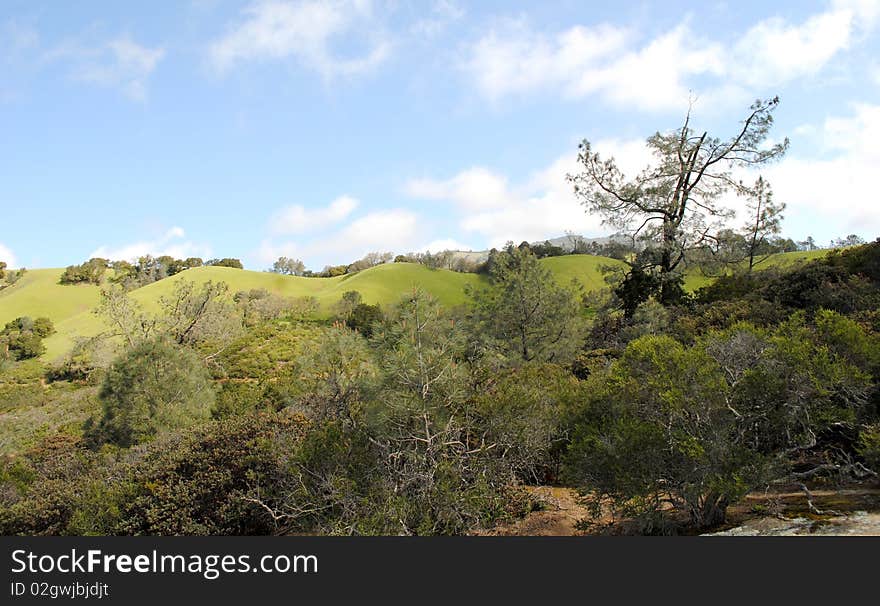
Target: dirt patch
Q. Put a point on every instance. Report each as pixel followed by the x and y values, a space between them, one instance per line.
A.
pixel 561 510
pixel 783 511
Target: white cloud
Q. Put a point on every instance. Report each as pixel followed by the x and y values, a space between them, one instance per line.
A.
pixel 394 230
pixel 657 74
pixel 442 14
pixel 307 31
pixel 297 219
pixel 120 63
pixel 874 73
pixel 381 230
pixel 513 59
pixel 602 59
pixel 828 195
pixel 8 257
pixel 475 188
pixel 775 50
pixel 834 195
pixel 541 206
pixel 444 244
pixel 171 243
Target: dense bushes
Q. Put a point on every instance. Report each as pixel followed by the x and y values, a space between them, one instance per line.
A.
pixel 90 272
pixel 699 426
pixel 200 482
pixel 845 281
pixel 417 419
pixel 155 386
pixel 22 338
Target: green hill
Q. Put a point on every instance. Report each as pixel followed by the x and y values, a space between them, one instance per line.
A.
pixel 696 279
pixel 38 293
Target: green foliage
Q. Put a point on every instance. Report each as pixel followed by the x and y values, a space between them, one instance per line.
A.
pixel 420 423
pixel 524 415
pixel 193 314
pixel 288 266
pixel 349 301
pixel 191 483
pixel 84 362
pixel 364 318
pixel 869 446
pixel 699 426
pixel 41 487
pixel 151 388
pixel 267 352
pixel 22 338
pixel 201 483
pixel 90 272
pixel 636 288
pixel 329 379
pixel 524 314
pixel 225 262
pixel 259 305
pixel 237 398
pixel 673 203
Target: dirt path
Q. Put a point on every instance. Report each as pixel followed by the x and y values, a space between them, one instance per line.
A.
pixel 561 512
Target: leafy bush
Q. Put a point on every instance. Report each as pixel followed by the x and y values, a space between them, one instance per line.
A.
pixel 524 415
pixel 90 272
pixel 869 446
pixel 700 426
pixel 22 339
pixel 153 387
pixel 363 318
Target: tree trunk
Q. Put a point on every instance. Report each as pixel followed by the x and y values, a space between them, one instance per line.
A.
pixel 710 512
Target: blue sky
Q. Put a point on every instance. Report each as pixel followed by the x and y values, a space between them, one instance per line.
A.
pixel 327 130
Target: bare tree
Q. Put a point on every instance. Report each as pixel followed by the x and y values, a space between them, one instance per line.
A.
pixel 125 317
pixel 674 204
pixel 765 218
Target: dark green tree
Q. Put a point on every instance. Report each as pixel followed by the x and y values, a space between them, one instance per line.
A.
pixel 524 314
pixel 155 386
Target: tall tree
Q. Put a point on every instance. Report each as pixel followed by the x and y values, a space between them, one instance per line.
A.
pixel 764 221
pixel 674 204
pixel 152 387
pixel 524 314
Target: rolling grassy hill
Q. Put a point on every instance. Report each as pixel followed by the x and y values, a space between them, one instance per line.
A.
pixel 695 279
pixel 70 307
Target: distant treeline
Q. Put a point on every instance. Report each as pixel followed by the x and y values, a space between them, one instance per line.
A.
pixel 146 270
pixel 730 246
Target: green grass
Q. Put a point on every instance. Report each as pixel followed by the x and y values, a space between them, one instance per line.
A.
pixel 695 279
pixel 586 269
pixel 69 307
pixel 32 412
pixel 38 293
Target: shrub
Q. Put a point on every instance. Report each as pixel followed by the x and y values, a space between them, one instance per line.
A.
pixel 153 387
pixel 90 272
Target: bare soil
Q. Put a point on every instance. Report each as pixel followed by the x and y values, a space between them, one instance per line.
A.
pixel 783 511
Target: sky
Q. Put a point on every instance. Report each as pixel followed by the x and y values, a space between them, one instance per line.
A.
pixel 326 130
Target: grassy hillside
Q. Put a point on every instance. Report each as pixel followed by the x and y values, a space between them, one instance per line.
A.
pixel 70 307
pixel 586 269
pixel 695 279
pixel 39 294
